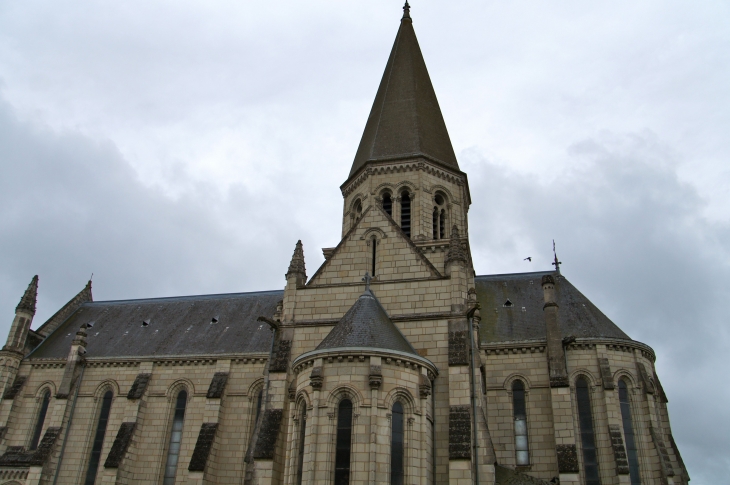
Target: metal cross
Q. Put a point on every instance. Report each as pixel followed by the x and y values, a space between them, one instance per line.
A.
pixel 367 279
pixel 556 263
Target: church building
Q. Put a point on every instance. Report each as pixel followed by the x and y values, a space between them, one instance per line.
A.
pixel 392 363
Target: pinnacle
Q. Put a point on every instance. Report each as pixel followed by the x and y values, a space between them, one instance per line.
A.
pixel 297 267
pixel 406 11
pixel 28 301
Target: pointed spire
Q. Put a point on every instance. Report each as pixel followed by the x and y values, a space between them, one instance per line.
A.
pixel 406 11
pixel 296 267
pixel 27 303
pixel 405 120
pixel 455 252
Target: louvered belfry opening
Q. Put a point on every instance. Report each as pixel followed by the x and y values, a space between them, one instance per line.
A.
pixel 405 212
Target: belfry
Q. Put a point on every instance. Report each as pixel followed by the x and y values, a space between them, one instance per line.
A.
pixel 393 363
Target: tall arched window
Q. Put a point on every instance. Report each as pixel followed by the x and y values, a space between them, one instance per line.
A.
pixel 522 450
pixel 40 420
pixel 344 442
pixel 302 435
pixel 435 222
pixel 388 204
pixel 405 212
pixel 106 406
pixel 587 436
pixel 173 451
pixel 631 451
pixel 396 445
pixel 439 216
pixel 374 255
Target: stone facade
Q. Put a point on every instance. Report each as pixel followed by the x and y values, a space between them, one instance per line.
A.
pixel 432 374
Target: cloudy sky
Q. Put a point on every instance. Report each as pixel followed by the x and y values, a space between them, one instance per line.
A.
pixel 176 148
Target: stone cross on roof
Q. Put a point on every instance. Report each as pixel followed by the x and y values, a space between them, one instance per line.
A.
pixel 556 263
pixel 367 279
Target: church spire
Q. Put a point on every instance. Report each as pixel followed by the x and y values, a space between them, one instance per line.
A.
pixel 405 120
pixel 28 301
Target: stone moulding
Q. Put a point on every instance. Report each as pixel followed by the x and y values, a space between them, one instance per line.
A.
pixel 350 354
pixel 581 343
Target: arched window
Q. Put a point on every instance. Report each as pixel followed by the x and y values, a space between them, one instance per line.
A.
pixel 173 451
pixel 631 451
pixel 442 224
pixel 435 222
pixel 588 440
pixel 302 435
pixel 374 255
pixel 357 210
pixel 255 415
pixel 41 419
pixel 522 450
pixel 439 216
pixel 106 405
pixel 344 442
pixel 396 445
pixel 388 204
pixel 405 212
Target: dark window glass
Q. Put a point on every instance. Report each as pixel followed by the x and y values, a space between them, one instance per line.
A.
pixel 435 222
pixel 631 451
pixel 405 213
pixel 41 418
pixel 173 452
pixel 442 224
pixel 106 406
pixel 344 440
pixel 375 244
pixel 302 435
pixel 388 204
pixel 396 446
pixel 522 450
pixel 588 441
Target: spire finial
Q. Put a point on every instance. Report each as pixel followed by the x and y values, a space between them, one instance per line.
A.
pixel 27 302
pixel 367 279
pixel 555 262
pixel 406 11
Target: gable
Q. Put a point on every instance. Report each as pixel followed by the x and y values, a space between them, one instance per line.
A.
pixel 397 258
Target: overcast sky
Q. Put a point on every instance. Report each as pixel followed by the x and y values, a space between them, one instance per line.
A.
pixel 176 148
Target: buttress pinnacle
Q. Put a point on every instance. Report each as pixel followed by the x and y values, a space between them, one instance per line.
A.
pixel 296 267
pixel 27 303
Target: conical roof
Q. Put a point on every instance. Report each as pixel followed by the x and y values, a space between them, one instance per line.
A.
pixel 405 119
pixel 366 325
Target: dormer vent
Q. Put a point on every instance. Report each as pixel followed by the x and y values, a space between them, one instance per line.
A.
pixel 508 304
pixel 146 323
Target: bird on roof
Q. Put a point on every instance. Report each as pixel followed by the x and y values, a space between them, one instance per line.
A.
pixel 529 258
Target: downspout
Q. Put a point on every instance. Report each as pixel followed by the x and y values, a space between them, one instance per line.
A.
pixel 68 426
pixel 472 366
pixel 433 430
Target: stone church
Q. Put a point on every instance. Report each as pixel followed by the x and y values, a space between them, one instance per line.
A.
pixel 393 363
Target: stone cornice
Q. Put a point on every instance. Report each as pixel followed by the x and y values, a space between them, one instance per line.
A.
pixel 522 346
pixel 350 354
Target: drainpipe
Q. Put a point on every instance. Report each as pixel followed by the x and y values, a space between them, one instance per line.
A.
pixel 472 368
pixel 68 425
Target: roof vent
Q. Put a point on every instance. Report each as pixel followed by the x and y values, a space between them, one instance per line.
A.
pixel 145 323
pixel 91 324
pixel 508 304
pixel 214 320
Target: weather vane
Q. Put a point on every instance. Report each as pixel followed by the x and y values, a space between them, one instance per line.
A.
pixel 556 263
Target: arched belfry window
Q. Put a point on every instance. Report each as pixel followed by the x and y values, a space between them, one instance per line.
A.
pixel 587 436
pixel 519 411
pixel 302 436
pixel 397 445
pixel 46 399
pixel 344 442
pixel 388 203
pixel 439 216
pixel 106 406
pixel 173 450
pixel 631 451
pixel 405 212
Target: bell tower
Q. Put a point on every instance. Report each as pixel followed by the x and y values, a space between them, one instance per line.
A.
pixel 405 161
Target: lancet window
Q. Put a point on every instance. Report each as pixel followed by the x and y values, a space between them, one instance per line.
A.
pixel 519 411
pixel 397 445
pixel 439 216
pixel 302 436
pixel 344 443
pixel 388 203
pixel 373 254
pixel 40 419
pixel 106 405
pixel 587 435
pixel 631 451
pixel 405 212
pixel 173 450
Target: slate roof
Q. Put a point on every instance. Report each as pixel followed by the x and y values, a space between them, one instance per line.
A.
pixel 366 325
pixel 577 315
pixel 405 119
pixel 176 326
